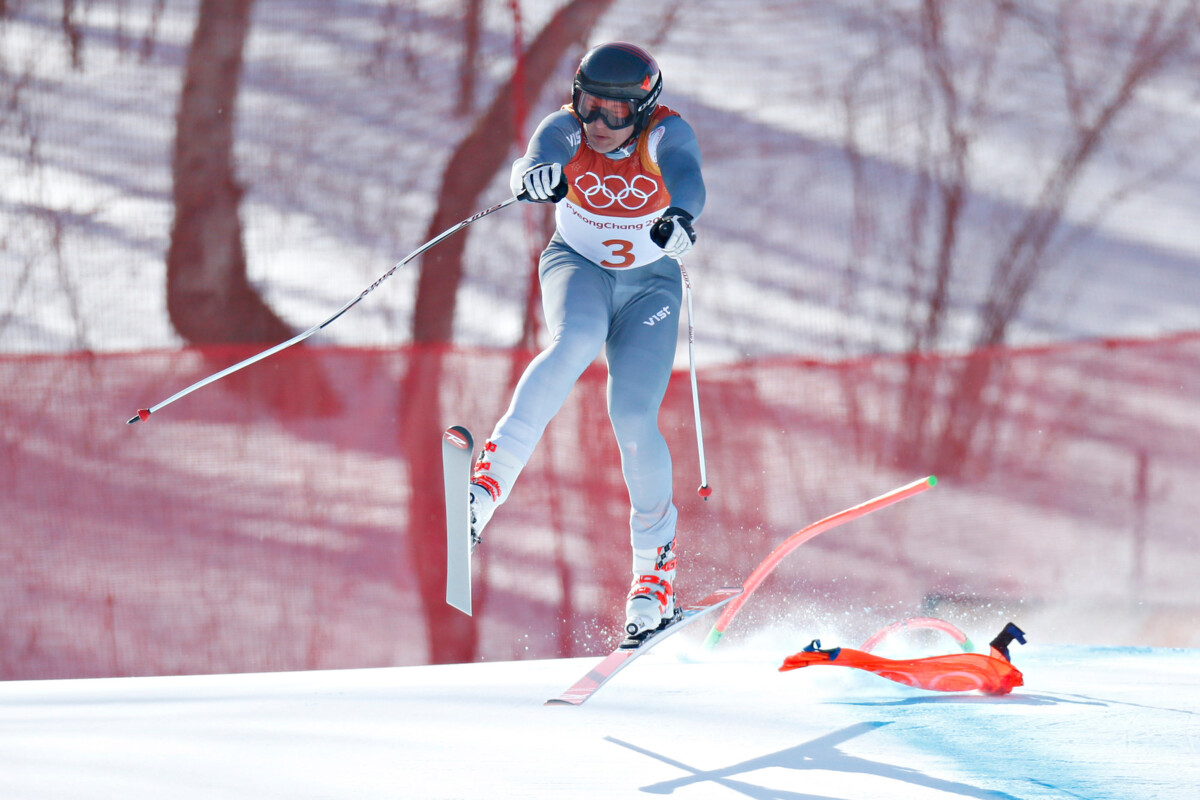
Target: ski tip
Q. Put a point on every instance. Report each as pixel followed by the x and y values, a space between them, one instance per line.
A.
pixel 460 437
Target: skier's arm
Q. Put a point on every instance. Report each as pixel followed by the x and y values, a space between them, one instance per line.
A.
pixel 552 145
pixel 679 160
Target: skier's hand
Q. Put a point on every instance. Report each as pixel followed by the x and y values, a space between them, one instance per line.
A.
pixel 674 233
pixel 544 183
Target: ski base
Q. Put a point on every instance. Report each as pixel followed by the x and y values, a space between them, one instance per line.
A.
pixel 457 449
pixel 633 647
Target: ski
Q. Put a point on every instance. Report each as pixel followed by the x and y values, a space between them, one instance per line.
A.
pixel 631 648
pixel 457 449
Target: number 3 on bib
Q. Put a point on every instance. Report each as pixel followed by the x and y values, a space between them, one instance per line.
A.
pixel 621 249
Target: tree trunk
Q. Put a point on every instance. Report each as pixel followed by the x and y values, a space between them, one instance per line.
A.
pixel 475 162
pixel 208 296
pixel 452 636
pixel 472 11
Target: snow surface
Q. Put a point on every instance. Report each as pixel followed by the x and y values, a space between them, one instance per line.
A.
pixel 1090 722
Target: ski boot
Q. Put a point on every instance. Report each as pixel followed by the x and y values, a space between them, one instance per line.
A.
pixel 650 606
pixel 492 478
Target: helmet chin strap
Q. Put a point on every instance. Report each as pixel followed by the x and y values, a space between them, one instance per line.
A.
pixel 621 150
pixel 626 147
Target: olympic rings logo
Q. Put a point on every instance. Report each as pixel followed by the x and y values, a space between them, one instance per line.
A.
pixel 603 192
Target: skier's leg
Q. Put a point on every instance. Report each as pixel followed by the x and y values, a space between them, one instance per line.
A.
pixel 641 354
pixel 576 300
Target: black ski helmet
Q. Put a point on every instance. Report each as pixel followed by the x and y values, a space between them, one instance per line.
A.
pixel 619 71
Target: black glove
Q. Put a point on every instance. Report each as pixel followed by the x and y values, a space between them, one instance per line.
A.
pixel 544 183
pixel 674 233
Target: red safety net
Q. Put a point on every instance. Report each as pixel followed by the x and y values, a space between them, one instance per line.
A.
pixel 288 517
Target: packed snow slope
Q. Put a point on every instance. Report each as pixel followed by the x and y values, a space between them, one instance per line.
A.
pixel 1090 722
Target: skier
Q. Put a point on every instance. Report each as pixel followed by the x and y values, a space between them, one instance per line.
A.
pixel 625 175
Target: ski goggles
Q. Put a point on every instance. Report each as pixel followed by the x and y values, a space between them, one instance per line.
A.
pixel 616 113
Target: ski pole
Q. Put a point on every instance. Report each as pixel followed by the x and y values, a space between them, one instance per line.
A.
pixel 144 413
pixel 705 490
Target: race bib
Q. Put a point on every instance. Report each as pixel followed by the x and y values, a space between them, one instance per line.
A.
pixel 612 242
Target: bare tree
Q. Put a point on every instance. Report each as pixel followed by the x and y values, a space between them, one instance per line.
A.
pixel 472 11
pixel 37 229
pixel 476 160
pixel 960 73
pixel 209 297
pixel 468 172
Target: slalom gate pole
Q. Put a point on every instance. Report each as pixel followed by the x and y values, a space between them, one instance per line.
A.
pixel 801 536
pixel 144 413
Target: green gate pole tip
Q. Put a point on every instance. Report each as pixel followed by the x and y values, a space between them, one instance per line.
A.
pixel 714 636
